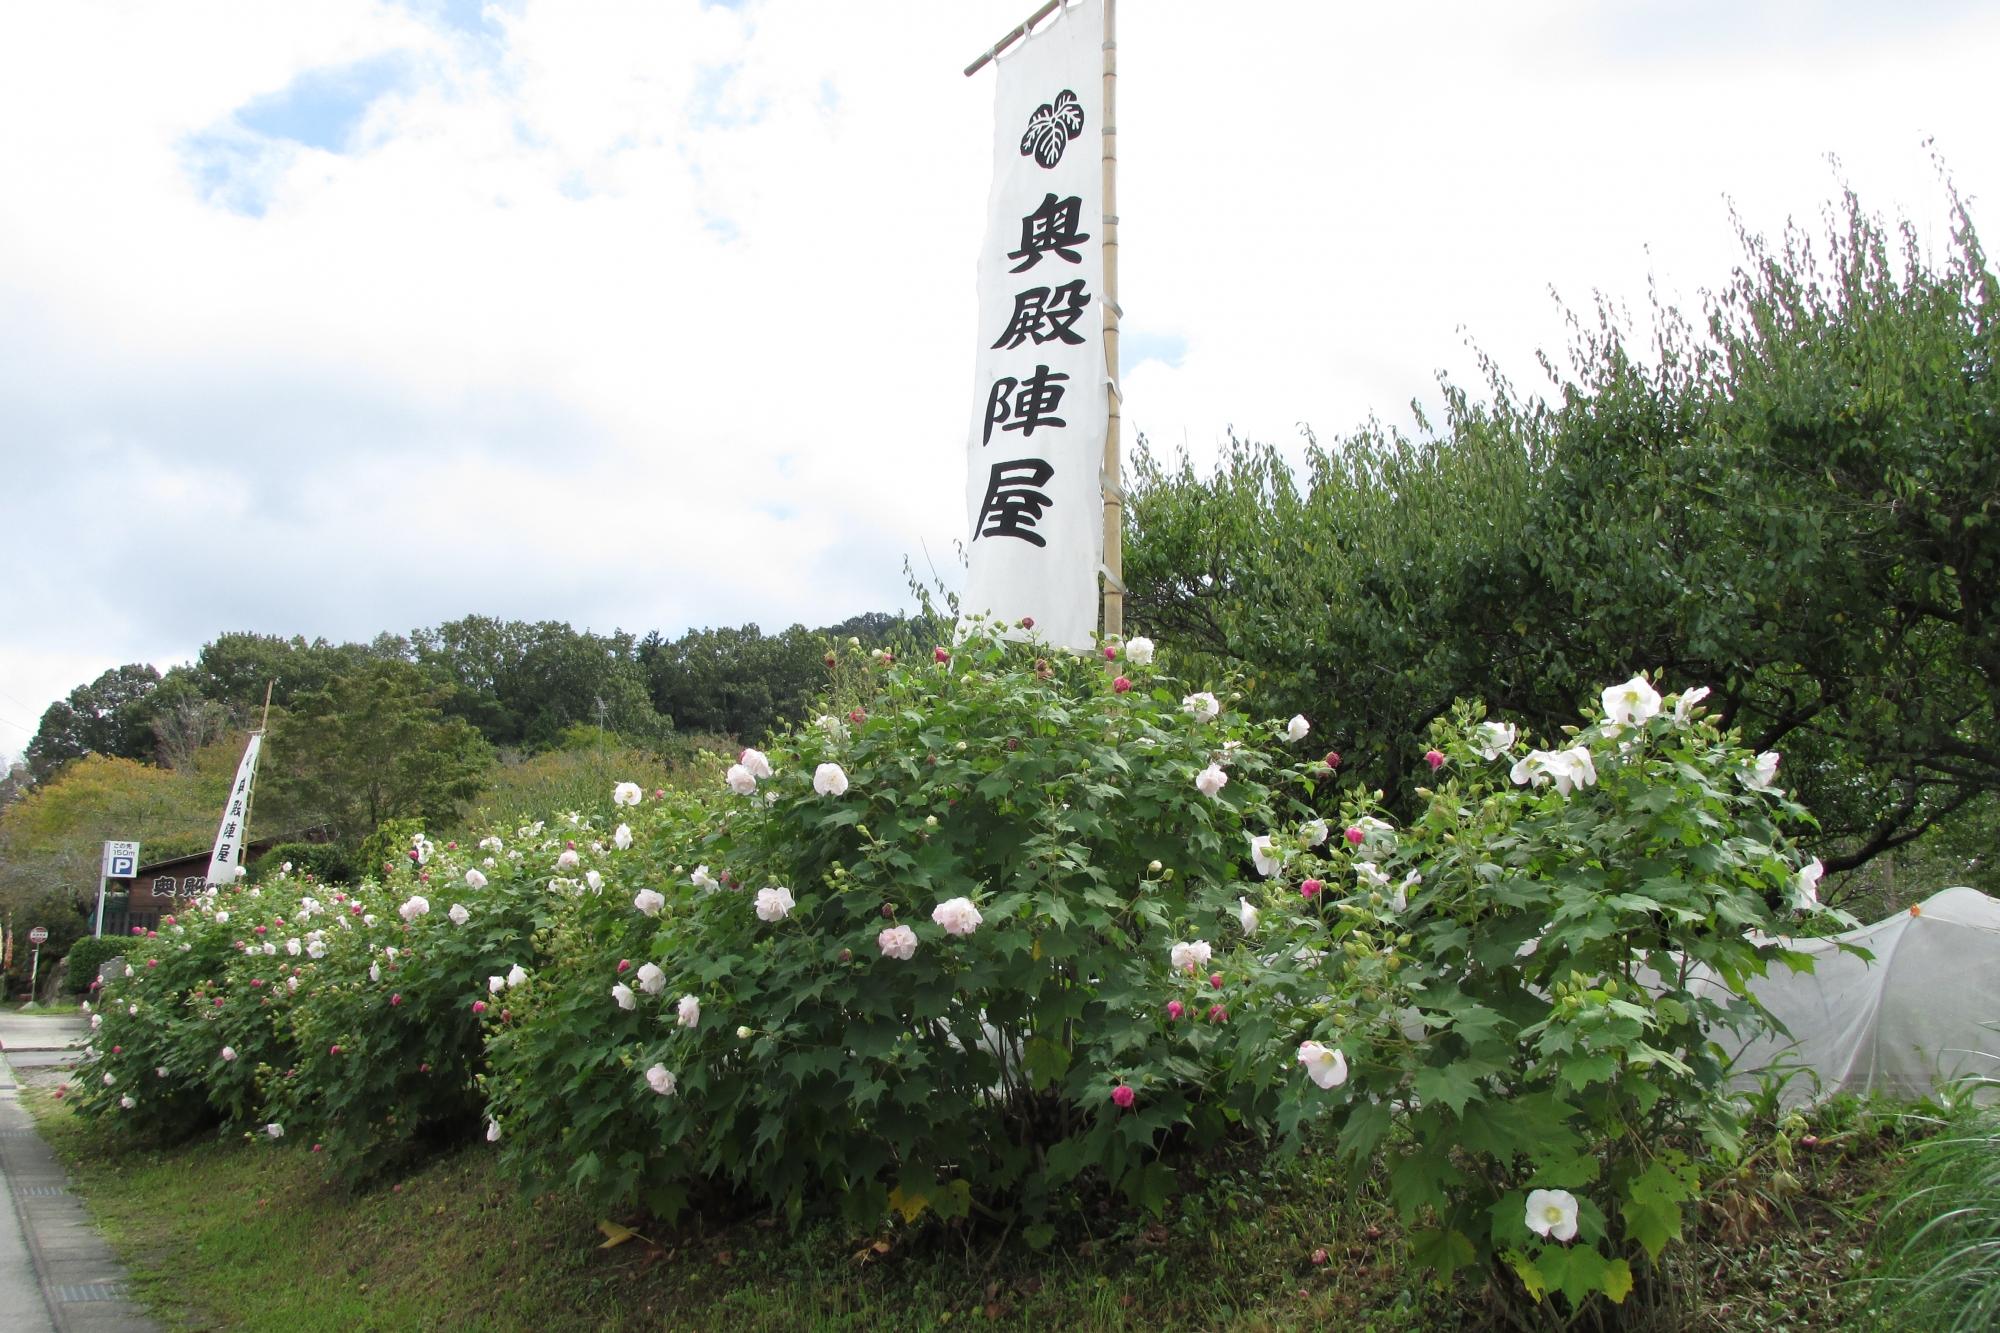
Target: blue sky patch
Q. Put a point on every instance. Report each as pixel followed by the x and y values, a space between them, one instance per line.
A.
pixel 323 107
pixel 1136 346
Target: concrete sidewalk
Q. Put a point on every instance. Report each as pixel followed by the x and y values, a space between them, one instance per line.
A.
pixel 56 1273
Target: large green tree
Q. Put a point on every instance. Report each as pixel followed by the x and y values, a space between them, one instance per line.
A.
pixel 374 745
pixel 1791 499
pixel 112 715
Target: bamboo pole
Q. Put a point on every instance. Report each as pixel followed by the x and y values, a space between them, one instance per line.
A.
pixel 1112 479
pixel 1014 35
pixel 266 723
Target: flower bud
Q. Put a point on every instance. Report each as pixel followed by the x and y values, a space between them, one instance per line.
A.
pixel 744 1034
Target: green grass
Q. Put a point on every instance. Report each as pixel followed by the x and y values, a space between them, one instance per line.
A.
pixel 243 1234
pixel 1940 1236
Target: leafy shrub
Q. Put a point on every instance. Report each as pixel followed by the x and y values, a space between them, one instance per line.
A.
pixel 87 955
pixel 1519 988
pixel 327 862
pixel 1031 834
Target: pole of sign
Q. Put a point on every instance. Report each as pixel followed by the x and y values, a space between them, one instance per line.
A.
pixel 34 970
pixel 103 879
pixel 1113 477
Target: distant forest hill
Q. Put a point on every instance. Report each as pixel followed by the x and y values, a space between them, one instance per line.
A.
pixel 521 685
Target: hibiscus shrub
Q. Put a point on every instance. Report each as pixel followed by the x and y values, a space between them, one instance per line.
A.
pixel 1521 988
pixel 188 1036
pixel 920 958
pixel 390 1024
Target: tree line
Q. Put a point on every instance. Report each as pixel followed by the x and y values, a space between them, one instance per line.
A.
pixel 1791 496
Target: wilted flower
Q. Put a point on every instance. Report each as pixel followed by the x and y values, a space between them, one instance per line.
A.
pixel 474 879
pixel 1312 833
pixel 1370 875
pixel 625 793
pixel 1807 884
pixel 1493 739
pixel 1190 955
pixel 1401 901
pixel 275 1130
pixel 127 1101
pixel 491 844
pixel 756 762
pixel 594 880
pixel 701 879
pixel 623 837
pixel 832 726
pixel 1684 705
pixel 830 780
pixel 1139 650
pixel 459 916
pixel 623 994
pixel 414 908
pixel 957 915
pixel 1248 915
pixel 1328 1068
pixel 1763 773
pixel 1211 780
pixel 1203 707
pixel 493 1131
pixel 898 942
pixel 1267 861
pixel 1296 729
pixel 688 1014
pixel 660 1080
pixel 1552 1213
pixel 651 979
pixel 1631 703
pixel 774 904
pixel 516 975
pixel 649 901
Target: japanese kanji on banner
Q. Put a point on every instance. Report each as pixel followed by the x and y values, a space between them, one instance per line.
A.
pixel 226 862
pixel 1036 450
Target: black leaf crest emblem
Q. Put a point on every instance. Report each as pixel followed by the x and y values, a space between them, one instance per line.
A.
pixel 1051 128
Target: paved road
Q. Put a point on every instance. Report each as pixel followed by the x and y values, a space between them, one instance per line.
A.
pixel 56 1273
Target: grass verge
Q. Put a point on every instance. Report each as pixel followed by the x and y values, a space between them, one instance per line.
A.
pixel 244 1234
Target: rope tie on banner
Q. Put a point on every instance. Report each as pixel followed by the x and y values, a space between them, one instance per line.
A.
pixel 1112 579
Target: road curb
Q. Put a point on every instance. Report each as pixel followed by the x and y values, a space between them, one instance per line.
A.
pixel 83 1285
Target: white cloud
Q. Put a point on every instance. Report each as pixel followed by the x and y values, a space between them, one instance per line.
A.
pixel 693 285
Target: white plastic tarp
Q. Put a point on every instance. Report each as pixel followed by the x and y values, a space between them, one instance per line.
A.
pixel 1923 1013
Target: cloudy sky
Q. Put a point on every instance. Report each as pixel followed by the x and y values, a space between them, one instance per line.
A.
pixel 343 316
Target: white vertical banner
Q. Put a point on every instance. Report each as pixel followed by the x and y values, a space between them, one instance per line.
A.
pixel 1032 487
pixel 226 862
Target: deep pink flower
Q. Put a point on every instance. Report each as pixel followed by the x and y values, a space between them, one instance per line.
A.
pixel 316 1147
pixel 1435 758
pixel 1333 759
pixel 1217 1014
pixel 1215 981
pixel 333 1049
pixel 395 999
pixel 152 962
pixel 256 982
pixel 940 655
pixel 1354 836
pixel 624 964
pixel 218 1001
pixel 479 1006
pixel 1175 1009
pixel 1121 685
pixel 1310 888
pixel 1028 622
pixel 1110 652
pixel 1122 1097
pixel 857 715
pixel 259 930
